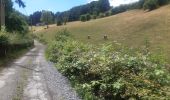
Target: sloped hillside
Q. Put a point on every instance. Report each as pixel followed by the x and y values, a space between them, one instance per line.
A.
pixel 130 28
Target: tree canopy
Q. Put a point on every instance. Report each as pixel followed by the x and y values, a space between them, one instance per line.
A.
pixel 15 21
pixel 47 17
pixel 20 3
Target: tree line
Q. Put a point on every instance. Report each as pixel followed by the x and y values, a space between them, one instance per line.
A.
pixel 93 10
pixel 16 21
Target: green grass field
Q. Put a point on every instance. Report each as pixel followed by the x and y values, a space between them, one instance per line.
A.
pixel 131 28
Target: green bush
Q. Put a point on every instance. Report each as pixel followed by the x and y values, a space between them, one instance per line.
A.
pixel 59 23
pixel 61 37
pixel 110 72
pixel 4 40
pixel 101 15
pixel 109 13
pixel 83 18
pixel 88 17
pixel 94 16
pixel 3 35
pixel 13 42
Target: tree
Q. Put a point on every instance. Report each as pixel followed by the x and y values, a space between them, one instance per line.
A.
pixel 65 18
pixel 59 22
pixel 93 8
pixel 104 5
pixel 140 4
pixel 2 9
pixel 20 3
pixel 2 13
pixel 83 18
pixel 122 8
pixel 35 18
pixel 46 17
pixel 88 17
pixel 8 7
pixel 108 13
pixel 16 22
pixel 94 16
pixel 101 15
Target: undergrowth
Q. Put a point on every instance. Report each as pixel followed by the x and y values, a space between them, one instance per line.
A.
pixel 110 71
pixel 13 44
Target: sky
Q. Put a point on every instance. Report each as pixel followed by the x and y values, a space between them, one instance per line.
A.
pixel 59 5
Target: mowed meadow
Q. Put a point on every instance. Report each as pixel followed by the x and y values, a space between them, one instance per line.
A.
pixel 131 28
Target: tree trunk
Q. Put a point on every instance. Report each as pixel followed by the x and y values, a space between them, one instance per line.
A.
pixel 2 13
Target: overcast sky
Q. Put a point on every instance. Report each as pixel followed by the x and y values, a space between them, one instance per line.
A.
pixel 59 5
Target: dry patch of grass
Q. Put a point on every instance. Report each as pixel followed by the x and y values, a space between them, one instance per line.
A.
pixel 130 28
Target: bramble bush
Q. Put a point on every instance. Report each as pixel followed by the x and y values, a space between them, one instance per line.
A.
pixel 109 71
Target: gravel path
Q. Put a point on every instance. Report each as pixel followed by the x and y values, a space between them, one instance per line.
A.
pixel 33 78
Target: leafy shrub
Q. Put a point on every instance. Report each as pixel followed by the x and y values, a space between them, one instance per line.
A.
pixel 83 18
pixel 110 72
pixel 59 23
pixel 94 16
pixel 11 42
pixel 101 15
pixel 109 13
pixel 61 37
pixel 3 42
pixel 3 39
pixel 88 17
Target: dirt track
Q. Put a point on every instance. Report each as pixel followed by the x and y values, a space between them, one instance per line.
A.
pixel 33 78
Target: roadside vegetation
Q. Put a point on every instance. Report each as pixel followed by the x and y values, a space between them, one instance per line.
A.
pixel 110 71
pixel 14 37
pixel 99 67
pixel 13 45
